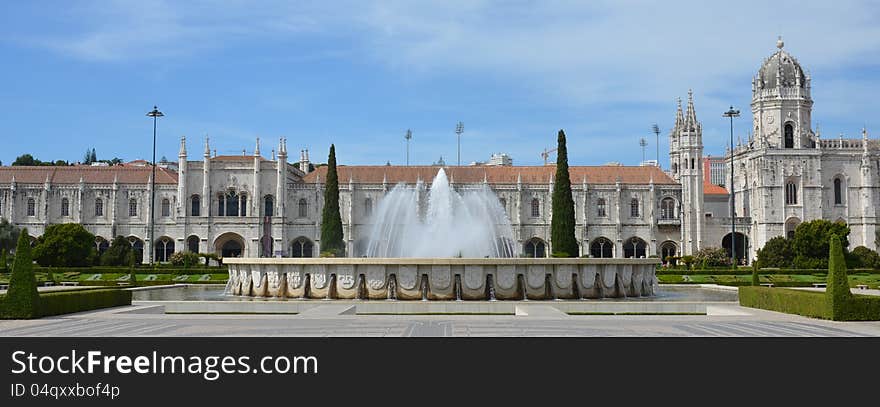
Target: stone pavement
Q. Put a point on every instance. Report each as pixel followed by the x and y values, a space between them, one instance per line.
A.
pixel 148 319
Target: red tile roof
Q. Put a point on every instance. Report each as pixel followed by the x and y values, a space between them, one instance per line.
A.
pixel 712 189
pixel 124 174
pixel 247 158
pixel 493 174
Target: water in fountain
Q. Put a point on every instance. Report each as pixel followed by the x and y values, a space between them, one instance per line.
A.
pixel 468 224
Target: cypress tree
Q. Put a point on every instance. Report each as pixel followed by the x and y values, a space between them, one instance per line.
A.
pixel 331 221
pixel 837 293
pixel 22 299
pixel 562 235
pixel 755 280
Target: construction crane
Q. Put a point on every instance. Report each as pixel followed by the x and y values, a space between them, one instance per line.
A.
pixel 546 154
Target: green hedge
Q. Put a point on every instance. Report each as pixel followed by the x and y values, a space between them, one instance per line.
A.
pixel 139 270
pixel 70 301
pixel 806 303
pixel 809 303
pixel 745 270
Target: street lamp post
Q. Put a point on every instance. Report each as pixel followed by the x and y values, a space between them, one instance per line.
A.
pixel 731 114
pixel 155 114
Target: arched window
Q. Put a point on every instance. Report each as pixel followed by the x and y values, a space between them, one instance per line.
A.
pixel 503 203
pixel 166 208
pixel 535 248
pixel 667 208
pixel 242 209
pixel 221 205
pixel 132 207
pixel 634 208
pixel 692 164
pixel 667 249
pixel 368 206
pixel 164 249
pixel 31 207
pixel 65 207
pixel 601 248
pixel 192 244
pixel 789 136
pixel 137 247
pixel 303 207
pixel 791 194
pixel 101 245
pixel 600 208
pixel 634 247
pixel 838 192
pixel 231 204
pixel 268 206
pixel 536 208
pixel 195 206
pixel 301 247
pixel 99 207
pixel 675 168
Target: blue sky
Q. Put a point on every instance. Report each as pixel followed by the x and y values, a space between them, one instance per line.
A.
pixel 358 74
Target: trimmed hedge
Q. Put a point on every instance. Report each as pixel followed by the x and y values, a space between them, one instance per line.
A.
pixel 810 303
pixel 126 270
pixel 746 271
pixel 70 301
pixel 806 303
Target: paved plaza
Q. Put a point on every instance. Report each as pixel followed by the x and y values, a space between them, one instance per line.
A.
pixel 149 319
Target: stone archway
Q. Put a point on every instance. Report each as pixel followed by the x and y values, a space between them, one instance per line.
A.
pixel 229 245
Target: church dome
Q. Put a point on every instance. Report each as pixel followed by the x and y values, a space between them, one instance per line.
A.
pixel 781 66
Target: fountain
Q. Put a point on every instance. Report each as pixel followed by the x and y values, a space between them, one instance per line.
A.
pixel 438 243
pixel 471 224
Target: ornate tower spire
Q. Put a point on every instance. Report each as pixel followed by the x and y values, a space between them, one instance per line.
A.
pixel 679 116
pixel 182 152
pixel 257 148
pixel 207 147
pixel 691 116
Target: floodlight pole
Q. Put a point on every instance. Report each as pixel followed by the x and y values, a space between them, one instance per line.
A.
pixel 459 128
pixel 155 114
pixel 731 114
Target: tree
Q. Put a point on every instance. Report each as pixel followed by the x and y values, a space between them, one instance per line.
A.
pixel 3 261
pixel 811 242
pixel 331 220
pixel 65 245
pixel 118 254
pixel 8 235
pixel 26 159
pixel 87 159
pixel 93 158
pixel 863 257
pixel 777 252
pixel 562 237
pixel 22 300
pixel 837 293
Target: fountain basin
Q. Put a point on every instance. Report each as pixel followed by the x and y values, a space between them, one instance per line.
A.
pixel 441 278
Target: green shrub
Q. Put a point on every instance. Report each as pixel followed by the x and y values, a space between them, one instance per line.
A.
pixel 863 257
pixel 185 259
pixel 687 260
pixel 755 279
pixel 799 302
pixel 712 257
pixel 777 252
pixel 22 300
pixel 838 293
pixel 70 301
pixel 3 261
pixel 559 254
pixel 65 244
pixel 118 254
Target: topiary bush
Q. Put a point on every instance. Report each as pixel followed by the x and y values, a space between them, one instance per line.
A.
pixel 837 294
pixel 65 244
pixel 22 300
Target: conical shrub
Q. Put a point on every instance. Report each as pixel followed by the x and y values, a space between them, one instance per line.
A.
pixel 837 294
pixel 22 299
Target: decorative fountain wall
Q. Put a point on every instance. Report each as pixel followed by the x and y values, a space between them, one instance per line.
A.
pixel 439 244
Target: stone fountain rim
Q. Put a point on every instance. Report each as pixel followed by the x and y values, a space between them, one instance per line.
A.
pixel 437 261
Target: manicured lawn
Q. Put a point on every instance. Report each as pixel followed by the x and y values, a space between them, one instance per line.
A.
pixel 143 277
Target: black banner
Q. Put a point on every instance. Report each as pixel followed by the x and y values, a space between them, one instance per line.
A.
pixel 256 371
